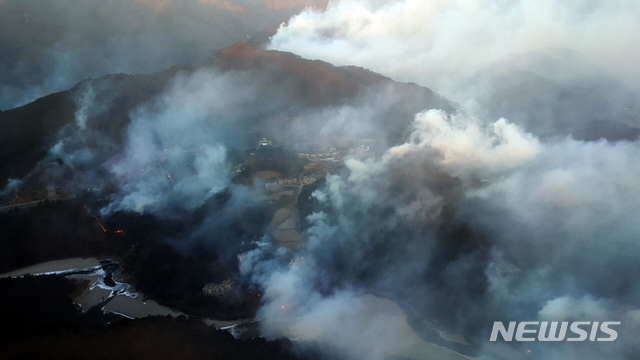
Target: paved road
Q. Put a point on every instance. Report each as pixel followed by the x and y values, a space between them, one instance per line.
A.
pixel 33 203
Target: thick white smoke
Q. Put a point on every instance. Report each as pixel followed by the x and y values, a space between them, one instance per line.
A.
pixel 559 217
pixel 438 43
pixel 558 68
pixel 174 157
pixel 465 145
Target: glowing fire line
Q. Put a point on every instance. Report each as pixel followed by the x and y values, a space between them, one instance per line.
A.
pixel 100 224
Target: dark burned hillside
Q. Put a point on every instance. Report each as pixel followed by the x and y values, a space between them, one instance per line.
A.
pixel 53 231
pixel 170 274
pixel 30 130
pixel 39 321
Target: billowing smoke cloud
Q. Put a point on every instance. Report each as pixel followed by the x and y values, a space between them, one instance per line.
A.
pixel 557 68
pixel 175 153
pixel 465 146
pixel 436 42
pixel 467 222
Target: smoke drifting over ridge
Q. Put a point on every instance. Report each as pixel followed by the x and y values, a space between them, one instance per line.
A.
pixel 170 148
pixel 557 68
pixel 435 42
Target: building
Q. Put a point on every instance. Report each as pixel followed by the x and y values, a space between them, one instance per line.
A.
pixel 51 192
pixel 212 289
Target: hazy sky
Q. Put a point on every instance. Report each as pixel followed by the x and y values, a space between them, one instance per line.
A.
pixel 50 46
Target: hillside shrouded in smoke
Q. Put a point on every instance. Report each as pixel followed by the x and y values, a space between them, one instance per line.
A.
pixel 402 224
pixel 534 218
pixel 522 225
pixel 558 68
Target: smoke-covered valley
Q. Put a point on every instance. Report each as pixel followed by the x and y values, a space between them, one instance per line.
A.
pixel 488 173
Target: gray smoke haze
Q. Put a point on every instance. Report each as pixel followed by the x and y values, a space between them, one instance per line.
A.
pixel 531 216
pixel 437 42
pixel 173 151
pixel 50 46
pixel 556 68
pixel 468 223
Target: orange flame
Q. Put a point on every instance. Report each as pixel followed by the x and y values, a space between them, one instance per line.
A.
pixel 119 232
pixel 99 224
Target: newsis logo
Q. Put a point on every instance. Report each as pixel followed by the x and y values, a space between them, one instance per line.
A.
pixel 555 331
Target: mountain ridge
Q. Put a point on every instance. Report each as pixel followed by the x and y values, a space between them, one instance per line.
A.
pixel 30 130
